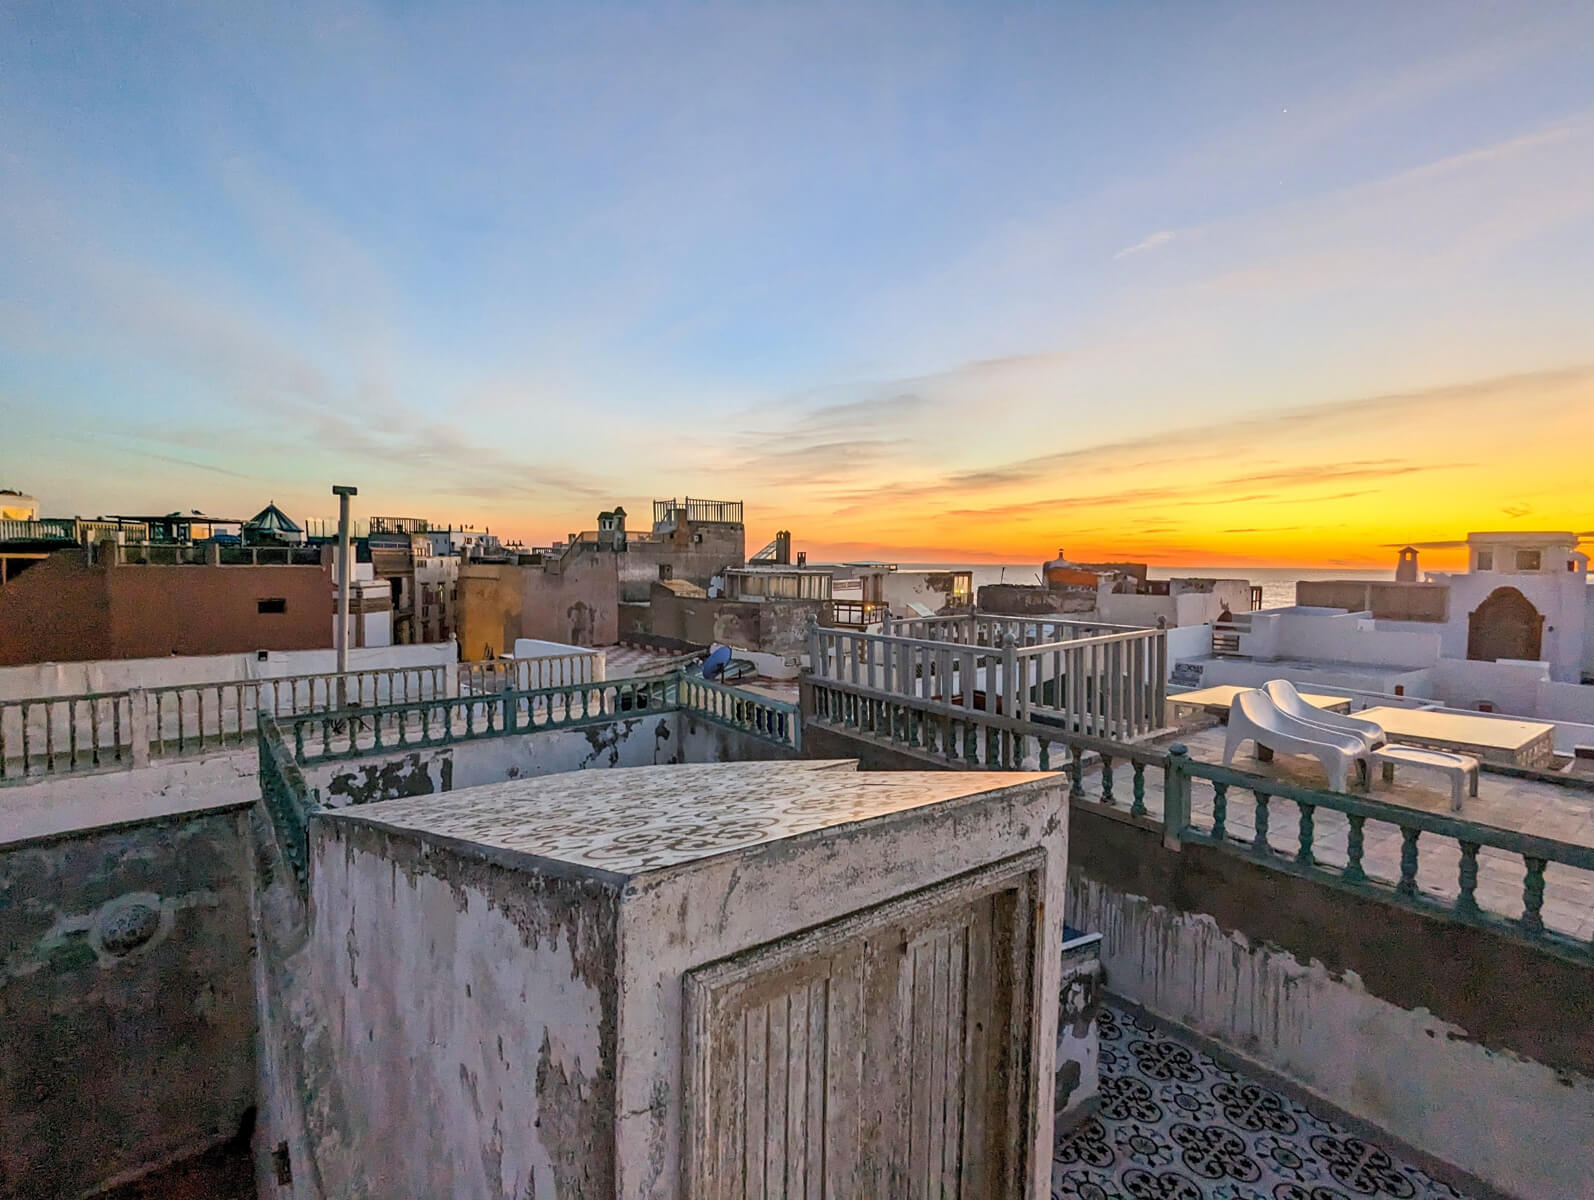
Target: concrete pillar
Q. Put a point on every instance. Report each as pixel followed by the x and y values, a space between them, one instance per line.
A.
pixel 345 587
pixel 1175 796
pixel 138 726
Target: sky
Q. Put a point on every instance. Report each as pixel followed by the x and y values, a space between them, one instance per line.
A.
pixel 1220 283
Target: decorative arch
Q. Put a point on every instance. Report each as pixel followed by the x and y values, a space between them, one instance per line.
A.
pixel 1505 625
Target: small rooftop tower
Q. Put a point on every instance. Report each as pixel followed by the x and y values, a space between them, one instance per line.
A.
pixel 1406 569
pixel 1059 572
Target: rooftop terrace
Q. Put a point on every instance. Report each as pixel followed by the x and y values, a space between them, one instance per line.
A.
pixel 1177 1124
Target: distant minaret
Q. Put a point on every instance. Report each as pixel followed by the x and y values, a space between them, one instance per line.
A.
pixel 1406 570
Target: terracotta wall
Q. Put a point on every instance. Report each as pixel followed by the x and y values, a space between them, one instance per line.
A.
pixel 66 611
pixel 56 611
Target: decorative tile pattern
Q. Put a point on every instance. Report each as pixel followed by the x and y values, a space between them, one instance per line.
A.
pixel 1175 1125
pixel 628 820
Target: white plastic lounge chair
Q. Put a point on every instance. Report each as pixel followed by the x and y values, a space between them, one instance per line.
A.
pixel 1282 692
pixel 1462 768
pixel 1254 717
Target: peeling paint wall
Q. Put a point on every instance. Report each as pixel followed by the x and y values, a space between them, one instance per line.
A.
pixel 1517 1124
pixel 627 742
pixel 675 921
pixel 471 1019
pixel 127 1019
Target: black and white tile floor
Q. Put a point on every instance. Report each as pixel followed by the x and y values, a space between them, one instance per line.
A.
pixel 1175 1125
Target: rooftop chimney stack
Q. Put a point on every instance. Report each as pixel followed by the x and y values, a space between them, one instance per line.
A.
pixel 1406 569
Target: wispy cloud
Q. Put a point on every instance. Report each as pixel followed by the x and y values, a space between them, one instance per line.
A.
pixel 1150 242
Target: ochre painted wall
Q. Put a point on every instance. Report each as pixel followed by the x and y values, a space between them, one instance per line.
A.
pixel 499 602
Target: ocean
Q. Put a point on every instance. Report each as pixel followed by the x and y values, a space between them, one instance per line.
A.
pixel 1278 583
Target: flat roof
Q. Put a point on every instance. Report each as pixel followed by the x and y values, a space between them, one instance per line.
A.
pixel 1553 538
pixel 628 820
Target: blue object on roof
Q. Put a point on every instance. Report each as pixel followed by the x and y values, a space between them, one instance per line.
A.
pixel 715 663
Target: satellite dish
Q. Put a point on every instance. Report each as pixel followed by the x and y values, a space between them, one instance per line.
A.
pixel 716 661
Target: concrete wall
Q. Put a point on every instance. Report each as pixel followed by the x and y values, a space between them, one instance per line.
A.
pixel 639 741
pixel 1337 638
pixel 696 561
pixel 1510 687
pixel 124 999
pixel 1453 1039
pixel 118 675
pixel 65 611
pixel 1032 600
pixel 470 1016
pixel 1188 641
pixel 1424 602
pixel 1560 596
pixel 499 602
pixel 1588 632
pixel 1569 702
pixel 770 626
pixel 899 589
pixel 1254 674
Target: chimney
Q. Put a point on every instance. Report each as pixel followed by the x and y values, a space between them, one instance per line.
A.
pixel 1406 568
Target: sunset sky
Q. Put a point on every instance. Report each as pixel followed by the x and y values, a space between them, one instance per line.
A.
pixel 1217 284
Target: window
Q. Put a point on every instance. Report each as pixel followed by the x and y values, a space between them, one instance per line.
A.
pixel 666 571
pixel 1485 560
pixel 1527 560
pixel 275 605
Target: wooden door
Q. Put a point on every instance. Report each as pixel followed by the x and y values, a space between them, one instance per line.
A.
pixel 1505 625
pixel 881 1055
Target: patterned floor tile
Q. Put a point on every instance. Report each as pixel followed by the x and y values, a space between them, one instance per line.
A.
pixel 1175 1125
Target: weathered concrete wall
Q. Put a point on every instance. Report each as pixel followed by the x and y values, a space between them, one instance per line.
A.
pixel 639 741
pixel 124 1000
pixel 701 741
pixel 577 605
pixel 689 558
pixel 1032 600
pixel 773 627
pixel 1453 1039
pixel 627 742
pixel 470 1018
pixel 676 920
pixel 117 675
pixel 1429 602
pixel 77 803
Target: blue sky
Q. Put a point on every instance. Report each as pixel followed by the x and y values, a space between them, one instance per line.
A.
pixel 866 266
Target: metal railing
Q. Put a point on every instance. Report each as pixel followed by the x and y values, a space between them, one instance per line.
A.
pixel 1430 862
pixel 1109 685
pixel 710 512
pixel 61 735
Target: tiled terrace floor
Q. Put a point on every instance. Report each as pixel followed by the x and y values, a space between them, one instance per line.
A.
pixel 1176 1125
pixel 630 662
pixel 1530 806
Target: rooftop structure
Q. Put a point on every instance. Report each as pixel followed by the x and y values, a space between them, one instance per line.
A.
pixel 1514 633
pixel 1369 947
